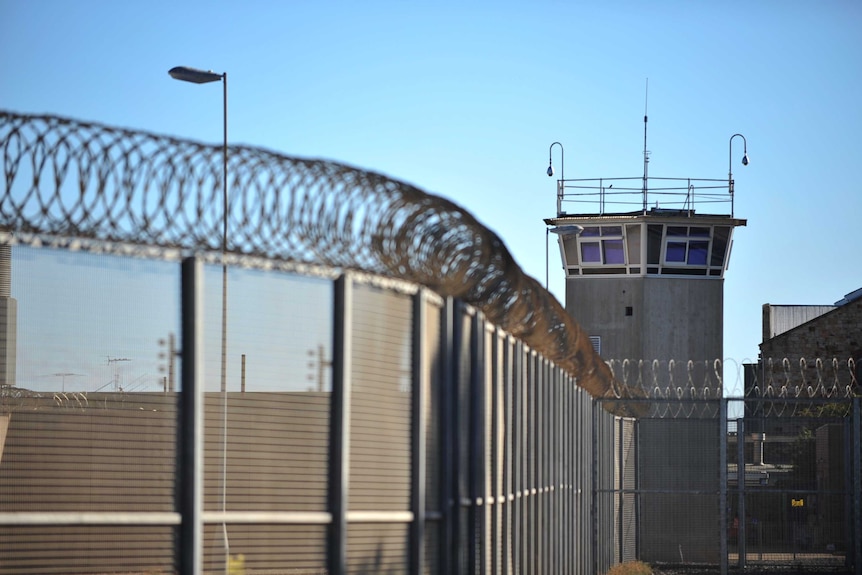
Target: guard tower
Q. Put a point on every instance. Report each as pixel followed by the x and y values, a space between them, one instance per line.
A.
pixel 645 260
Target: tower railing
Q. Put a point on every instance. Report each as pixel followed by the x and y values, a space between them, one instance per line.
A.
pixel 640 195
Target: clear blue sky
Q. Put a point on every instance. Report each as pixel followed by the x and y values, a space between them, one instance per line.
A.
pixel 464 100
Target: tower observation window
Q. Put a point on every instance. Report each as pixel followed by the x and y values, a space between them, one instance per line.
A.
pixel 602 245
pixel 671 249
pixel 687 245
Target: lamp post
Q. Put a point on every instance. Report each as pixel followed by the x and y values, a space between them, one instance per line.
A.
pixel 196 76
pixel 562 180
pixel 730 164
pixel 566 230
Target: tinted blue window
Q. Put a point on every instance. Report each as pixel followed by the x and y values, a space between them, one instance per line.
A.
pixel 675 252
pixel 590 253
pixel 697 252
pixel 614 253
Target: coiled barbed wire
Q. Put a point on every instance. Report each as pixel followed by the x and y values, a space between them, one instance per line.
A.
pixel 70 178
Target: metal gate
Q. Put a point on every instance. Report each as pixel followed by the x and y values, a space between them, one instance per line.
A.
pixel 793 480
pixel 768 478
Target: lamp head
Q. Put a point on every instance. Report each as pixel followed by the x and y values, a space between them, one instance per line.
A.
pixel 194 75
pixel 567 230
pixel 745 159
pixel 550 170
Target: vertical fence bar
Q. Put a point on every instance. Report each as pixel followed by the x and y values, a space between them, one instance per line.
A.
pixel 569 417
pixel 594 469
pixel 856 486
pixel 339 431
pixel 722 484
pixel 496 453
pixel 508 489
pixel 531 426
pixel 476 492
pixel 556 438
pixel 541 457
pixel 452 427
pixel 191 421
pixel 637 484
pixel 518 457
pixel 444 392
pixel 619 472
pixel 566 415
pixel 420 388
pixel 740 490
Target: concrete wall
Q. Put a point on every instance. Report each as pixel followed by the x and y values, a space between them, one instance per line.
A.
pixel 671 318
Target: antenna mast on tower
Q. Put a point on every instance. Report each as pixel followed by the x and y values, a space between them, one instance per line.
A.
pixel 646 152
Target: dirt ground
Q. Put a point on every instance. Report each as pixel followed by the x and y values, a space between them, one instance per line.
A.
pixel 753 570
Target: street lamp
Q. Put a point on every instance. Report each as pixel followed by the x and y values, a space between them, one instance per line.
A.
pixel 561 182
pixel 730 162
pixel 566 230
pixel 550 171
pixel 196 76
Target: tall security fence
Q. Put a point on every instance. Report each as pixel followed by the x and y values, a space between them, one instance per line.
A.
pixel 417 437
pixel 371 386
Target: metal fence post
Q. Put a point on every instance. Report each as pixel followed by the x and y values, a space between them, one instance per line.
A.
pixel 339 426
pixel 856 462
pixel 722 484
pixel 476 536
pixel 594 470
pixel 740 489
pixel 420 387
pixel 448 432
pixel 190 426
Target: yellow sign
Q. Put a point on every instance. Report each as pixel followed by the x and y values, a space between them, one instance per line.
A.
pixel 797 503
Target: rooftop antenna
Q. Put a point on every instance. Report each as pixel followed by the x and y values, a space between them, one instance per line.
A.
pixel 646 152
pixel 117 371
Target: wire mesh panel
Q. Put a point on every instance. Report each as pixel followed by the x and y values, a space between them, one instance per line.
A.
pixel 380 416
pixel 679 482
pixel 796 505
pixel 380 427
pixel 87 461
pixel 266 419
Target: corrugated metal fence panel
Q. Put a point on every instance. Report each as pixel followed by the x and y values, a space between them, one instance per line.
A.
pixel 262 548
pixel 111 452
pixel 88 453
pixel 276 460
pixel 277 447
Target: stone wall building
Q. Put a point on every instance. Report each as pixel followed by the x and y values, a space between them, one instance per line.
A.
pixel 812 345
